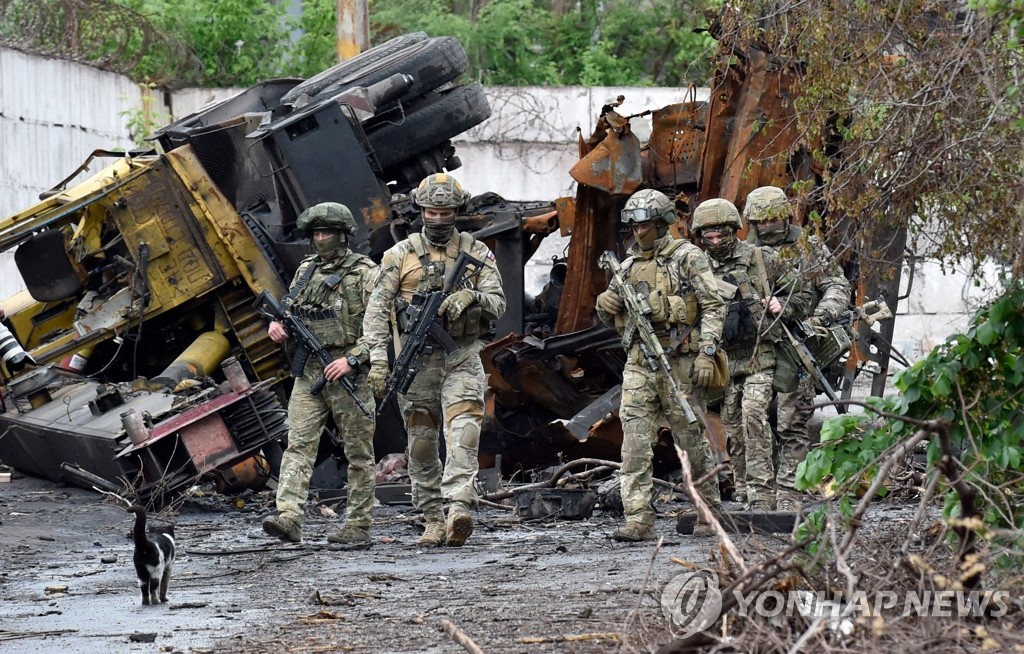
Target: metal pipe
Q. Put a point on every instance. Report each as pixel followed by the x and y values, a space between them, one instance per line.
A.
pixel 353 23
pixel 136 428
pixel 198 360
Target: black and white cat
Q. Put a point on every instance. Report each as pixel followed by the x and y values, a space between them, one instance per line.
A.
pixel 154 556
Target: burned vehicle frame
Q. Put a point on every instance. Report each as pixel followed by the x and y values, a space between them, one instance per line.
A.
pixel 141 279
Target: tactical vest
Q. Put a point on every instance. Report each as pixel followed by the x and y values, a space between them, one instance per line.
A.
pixel 662 273
pixel 330 302
pixel 746 312
pixel 469 325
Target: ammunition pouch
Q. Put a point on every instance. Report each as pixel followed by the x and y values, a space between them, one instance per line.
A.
pixel 328 325
pixel 788 368
pixel 299 361
pixel 739 329
pixel 683 310
pixel 469 324
pixel 720 378
pixel 828 347
pixel 402 311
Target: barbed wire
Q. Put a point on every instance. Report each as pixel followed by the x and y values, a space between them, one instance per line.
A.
pixel 101 34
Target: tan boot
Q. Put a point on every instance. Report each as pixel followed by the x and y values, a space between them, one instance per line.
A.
pixel 460 525
pixel 435 532
pixel 350 535
pixel 283 528
pixel 634 532
pixel 702 527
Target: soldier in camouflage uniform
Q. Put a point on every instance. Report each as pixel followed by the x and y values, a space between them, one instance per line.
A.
pixel 687 314
pixel 449 388
pixel 769 214
pixel 329 294
pixel 765 288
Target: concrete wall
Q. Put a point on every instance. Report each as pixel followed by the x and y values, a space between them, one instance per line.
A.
pixel 54 113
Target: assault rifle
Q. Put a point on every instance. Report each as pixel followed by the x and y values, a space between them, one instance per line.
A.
pixel 421 321
pixel 638 323
pixel 798 333
pixel 307 345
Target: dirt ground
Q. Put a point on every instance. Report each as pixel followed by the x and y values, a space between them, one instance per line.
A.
pixel 67 583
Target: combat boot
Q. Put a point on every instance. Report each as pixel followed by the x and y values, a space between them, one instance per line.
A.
pixel 787 500
pixel 634 532
pixel 760 503
pixel 283 528
pixel 350 535
pixel 702 527
pixel 435 532
pixel 460 525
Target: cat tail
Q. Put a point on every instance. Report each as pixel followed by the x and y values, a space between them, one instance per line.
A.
pixel 139 533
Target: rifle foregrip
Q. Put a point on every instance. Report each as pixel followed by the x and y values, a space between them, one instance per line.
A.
pixel 318 387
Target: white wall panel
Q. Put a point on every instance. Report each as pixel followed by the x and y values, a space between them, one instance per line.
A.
pixel 53 114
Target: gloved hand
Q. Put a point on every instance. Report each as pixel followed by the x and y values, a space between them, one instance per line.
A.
pixel 703 370
pixel 610 302
pixel 659 306
pixel 816 325
pixel 377 378
pixel 456 303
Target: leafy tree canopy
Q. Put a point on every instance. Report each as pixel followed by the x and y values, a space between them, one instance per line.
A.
pixel 509 42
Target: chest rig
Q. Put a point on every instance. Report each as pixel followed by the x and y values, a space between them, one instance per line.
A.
pixel 432 275
pixel 662 276
pixel 745 279
pixel 328 298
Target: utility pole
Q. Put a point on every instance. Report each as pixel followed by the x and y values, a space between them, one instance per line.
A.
pixel 353 28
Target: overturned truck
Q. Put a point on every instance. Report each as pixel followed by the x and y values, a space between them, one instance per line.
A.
pixel 153 369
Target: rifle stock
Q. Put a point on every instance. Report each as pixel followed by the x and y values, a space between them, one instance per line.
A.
pixel 638 322
pixel 267 305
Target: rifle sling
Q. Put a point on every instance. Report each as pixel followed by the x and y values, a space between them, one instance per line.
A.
pixel 300 283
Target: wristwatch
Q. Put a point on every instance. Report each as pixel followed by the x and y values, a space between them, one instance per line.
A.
pixel 708 350
pixel 353 362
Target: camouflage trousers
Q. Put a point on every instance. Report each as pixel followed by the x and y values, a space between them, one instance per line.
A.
pixel 307 415
pixel 448 391
pixel 646 402
pixel 745 418
pixel 794 411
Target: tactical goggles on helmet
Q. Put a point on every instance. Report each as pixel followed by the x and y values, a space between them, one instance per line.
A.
pixel 637 215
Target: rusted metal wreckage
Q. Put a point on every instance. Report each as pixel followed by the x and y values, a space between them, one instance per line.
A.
pixel 153 369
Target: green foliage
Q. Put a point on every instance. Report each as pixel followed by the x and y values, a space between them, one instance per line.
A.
pixel 899 141
pixel 144 120
pixel 240 42
pixel 317 48
pixel 976 381
pixel 525 42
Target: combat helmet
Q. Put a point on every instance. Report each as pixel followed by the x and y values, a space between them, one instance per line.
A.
pixel 767 204
pixel 440 191
pixel 649 204
pixel 717 212
pixel 326 215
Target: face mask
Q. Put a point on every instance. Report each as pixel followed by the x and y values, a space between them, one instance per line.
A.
pixel 328 248
pixel 772 233
pixel 724 249
pixel 647 239
pixel 439 230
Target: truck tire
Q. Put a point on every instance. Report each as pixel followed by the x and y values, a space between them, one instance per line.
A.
pixel 429 122
pixel 431 63
pixel 353 66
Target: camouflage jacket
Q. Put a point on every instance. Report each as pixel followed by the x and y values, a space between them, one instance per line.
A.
pixel 681 270
pixel 780 278
pixel 818 268
pixel 331 299
pixel 402 274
